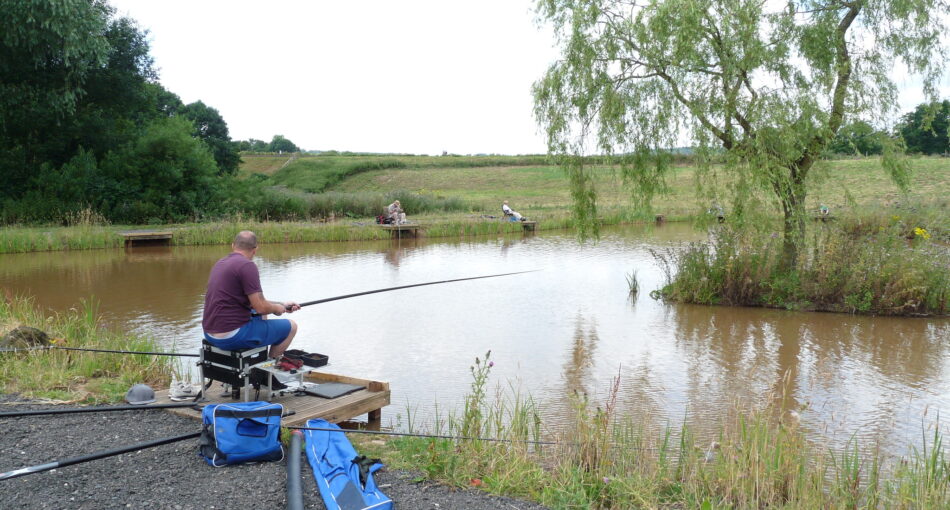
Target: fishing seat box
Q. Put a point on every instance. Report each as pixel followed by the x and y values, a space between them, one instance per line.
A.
pixel 230 367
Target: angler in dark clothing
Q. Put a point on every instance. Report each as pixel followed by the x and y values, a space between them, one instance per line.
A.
pixel 235 294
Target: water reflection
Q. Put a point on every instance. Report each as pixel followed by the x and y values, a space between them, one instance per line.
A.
pixel 845 373
pixel 573 326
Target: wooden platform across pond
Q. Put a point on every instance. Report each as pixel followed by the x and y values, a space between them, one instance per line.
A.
pixel 147 236
pixel 369 401
pixel 404 230
pixel 529 225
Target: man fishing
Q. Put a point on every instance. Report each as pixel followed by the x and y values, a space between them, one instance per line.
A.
pixel 234 295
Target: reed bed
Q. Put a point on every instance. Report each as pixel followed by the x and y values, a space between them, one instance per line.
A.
pixel 76 376
pixel 760 458
pixel 886 262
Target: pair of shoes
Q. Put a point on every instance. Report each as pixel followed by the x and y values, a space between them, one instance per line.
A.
pixel 289 364
pixel 181 391
pixel 296 362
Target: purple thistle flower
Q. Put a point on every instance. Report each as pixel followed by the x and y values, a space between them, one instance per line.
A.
pixel 491 364
pixel 606 480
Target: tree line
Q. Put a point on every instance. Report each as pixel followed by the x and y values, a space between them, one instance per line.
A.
pixel 923 131
pixel 84 124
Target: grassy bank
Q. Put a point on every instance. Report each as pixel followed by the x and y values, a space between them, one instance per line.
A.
pixel 450 195
pixel 87 377
pixel 760 459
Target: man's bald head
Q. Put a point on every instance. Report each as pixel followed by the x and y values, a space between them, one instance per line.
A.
pixel 245 241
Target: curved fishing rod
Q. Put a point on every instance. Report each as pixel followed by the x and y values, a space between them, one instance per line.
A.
pixel 308 303
pixel 92 409
pixel 346 296
pixel 93 456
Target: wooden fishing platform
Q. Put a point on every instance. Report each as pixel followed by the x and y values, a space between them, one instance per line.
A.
pixel 147 236
pixel 404 230
pixel 529 225
pixel 369 401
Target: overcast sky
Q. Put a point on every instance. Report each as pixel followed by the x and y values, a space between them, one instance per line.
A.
pixel 411 76
pixel 377 76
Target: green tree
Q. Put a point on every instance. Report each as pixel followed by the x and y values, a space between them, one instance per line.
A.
pixel 859 138
pixel 166 174
pixel 281 144
pixel 764 85
pixel 213 130
pixel 48 48
pixel 925 130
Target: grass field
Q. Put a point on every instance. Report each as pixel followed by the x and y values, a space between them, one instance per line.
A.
pixel 264 164
pixel 836 183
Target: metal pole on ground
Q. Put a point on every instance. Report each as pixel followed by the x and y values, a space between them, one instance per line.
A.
pixel 294 490
pixel 93 456
pixel 94 409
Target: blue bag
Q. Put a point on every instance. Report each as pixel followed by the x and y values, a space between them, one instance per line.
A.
pixel 337 470
pixel 240 432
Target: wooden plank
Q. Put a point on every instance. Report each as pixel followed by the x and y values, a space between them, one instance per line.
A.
pixel 366 401
pixel 147 234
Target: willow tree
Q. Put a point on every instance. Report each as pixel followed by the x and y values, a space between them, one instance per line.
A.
pixel 762 85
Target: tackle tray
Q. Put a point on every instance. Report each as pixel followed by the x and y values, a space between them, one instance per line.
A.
pixel 309 359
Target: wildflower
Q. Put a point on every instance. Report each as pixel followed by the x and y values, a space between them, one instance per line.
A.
pixel 921 232
pixel 491 364
pixel 606 480
pixel 774 235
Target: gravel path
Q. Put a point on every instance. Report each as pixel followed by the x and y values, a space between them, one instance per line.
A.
pixel 171 476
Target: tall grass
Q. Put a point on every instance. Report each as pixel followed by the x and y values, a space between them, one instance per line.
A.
pixel 883 264
pixel 602 460
pixel 76 375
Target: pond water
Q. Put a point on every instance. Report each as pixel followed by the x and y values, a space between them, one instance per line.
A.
pixel 572 326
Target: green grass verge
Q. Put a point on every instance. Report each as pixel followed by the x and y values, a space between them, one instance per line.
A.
pixel 76 376
pixel 761 458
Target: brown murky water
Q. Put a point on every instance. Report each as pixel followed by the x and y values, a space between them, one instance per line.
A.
pixel 570 327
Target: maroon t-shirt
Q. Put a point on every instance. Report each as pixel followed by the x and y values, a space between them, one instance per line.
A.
pixel 227 306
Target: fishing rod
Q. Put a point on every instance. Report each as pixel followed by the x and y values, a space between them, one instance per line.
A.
pixel 427 436
pixel 47 347
pixel 125 352
pixel 308 303
pixel 93 456
pixel 104 453
pixel 346 296
pixel 459 438
pixel 92 409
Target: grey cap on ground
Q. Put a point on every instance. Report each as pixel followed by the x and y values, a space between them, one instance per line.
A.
pixel 140 394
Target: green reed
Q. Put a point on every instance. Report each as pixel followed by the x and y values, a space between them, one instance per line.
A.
pixel 760 458
pixel 883 264
pixel 76 375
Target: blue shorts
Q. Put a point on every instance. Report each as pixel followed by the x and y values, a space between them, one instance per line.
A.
pixel 256 333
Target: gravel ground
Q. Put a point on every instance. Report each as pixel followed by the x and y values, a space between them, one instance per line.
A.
pixel 170 476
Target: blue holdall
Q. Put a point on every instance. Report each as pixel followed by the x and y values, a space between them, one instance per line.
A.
pixel 240 432
pixel 344 478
